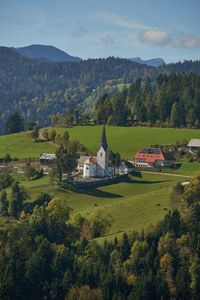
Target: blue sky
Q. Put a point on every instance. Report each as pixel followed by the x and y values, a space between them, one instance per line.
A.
pixel 100 28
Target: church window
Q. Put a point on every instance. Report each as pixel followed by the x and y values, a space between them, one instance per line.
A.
pixel 101 154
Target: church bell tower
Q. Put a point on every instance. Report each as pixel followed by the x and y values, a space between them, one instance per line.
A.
pixel 103 155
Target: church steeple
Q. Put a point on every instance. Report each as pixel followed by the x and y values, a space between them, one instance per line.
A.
pixel 103 142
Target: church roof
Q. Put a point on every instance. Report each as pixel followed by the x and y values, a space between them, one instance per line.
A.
pixel 91 161
pixel 103 142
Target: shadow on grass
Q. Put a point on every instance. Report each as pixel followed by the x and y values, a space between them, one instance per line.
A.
pixel 96 192
pixel 92 191
pixel 130 180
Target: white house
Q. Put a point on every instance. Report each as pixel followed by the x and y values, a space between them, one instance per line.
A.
pixel 81 162
pixel 99 166
pixel 193 145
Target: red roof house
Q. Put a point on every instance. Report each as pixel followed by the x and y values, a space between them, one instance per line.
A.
pixel 153 157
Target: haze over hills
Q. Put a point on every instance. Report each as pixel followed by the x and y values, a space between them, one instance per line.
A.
pixel 46 53
pixel 153 62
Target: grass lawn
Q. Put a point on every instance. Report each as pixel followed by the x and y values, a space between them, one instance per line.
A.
pixel 133 203
pixel 187 168
pixel 128 140
pixel 20 145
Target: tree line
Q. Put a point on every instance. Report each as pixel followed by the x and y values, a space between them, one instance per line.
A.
pixel 174 101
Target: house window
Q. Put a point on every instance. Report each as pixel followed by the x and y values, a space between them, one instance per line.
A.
pixel 101 154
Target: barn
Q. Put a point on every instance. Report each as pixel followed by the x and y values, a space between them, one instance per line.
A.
pixel 153 157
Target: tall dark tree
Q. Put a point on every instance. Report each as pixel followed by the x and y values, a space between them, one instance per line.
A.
pixel 18 195
pixel 120 110
pixel 4 204
pixel 103 109
pixel 15 123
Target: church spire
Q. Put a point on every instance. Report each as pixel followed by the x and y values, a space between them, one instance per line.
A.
pixel 103 141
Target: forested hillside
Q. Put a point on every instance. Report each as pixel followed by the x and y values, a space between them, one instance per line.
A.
pixel 49 253
pixel 38 89
pixel 173 102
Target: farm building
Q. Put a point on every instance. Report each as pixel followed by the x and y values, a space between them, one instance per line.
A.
pixel 193 145
pixel 153 157
pixel 46 159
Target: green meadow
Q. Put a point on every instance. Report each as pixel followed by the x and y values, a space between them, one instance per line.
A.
pixel 125 140
pixel 128 140
pixel 20 145
pixel 134 203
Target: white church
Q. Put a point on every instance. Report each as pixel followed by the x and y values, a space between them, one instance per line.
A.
pixel 97 166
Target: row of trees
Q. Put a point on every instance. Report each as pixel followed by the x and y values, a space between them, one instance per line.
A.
pixel 73 117
pixel 173 102
pixel 43 256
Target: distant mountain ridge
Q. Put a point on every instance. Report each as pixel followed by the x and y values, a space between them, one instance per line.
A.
pixel 46 53
pixel 153 62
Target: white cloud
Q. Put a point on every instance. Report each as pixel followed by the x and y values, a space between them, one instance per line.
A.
pixel 150 35
pixel 160 38
pixel 156 37
pixel 118 21
pixel 187 42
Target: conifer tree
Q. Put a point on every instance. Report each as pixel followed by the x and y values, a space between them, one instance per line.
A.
pixel 3 204
pixel 18 195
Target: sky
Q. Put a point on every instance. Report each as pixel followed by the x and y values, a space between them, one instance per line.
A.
pixel 101 28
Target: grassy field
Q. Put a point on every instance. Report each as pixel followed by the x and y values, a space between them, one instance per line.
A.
pixel 125 140
pixel 128 140
pixel 20 145
pixel 133 203
pixel 187 168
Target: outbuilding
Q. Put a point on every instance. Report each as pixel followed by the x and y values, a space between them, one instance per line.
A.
pixel 46 159
pixel 193 145
pixel 125 168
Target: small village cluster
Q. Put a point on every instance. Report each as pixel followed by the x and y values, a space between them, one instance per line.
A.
pixel 100 166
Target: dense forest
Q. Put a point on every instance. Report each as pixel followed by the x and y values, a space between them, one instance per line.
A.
pixel 50 254
pixel 174 101
pixel 37 89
